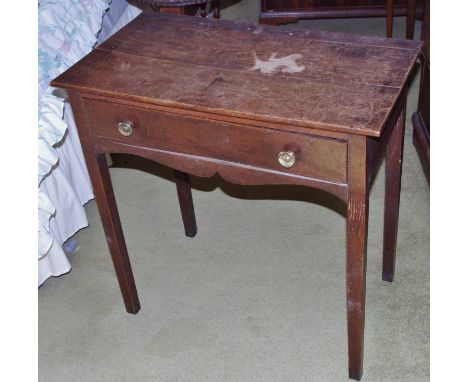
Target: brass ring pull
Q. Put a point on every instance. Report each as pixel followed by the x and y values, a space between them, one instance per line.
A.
pixel 286 159
pixel 125 128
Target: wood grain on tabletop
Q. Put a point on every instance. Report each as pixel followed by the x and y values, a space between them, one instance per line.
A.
pixel 348 83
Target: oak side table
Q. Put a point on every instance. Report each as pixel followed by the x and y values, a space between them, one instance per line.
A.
pixel 265 105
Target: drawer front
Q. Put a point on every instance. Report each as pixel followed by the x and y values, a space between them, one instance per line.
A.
pixel 316 157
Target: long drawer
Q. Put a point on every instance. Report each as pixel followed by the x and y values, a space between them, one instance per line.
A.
pixel 315 157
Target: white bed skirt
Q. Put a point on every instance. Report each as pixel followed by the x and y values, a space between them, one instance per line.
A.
pixel 67 186
pixel 68 189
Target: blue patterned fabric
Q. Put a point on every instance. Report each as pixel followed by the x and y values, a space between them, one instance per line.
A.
pixel 67 32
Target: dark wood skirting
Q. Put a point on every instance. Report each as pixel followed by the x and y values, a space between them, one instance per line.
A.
pixel 276 17
pixel 421 142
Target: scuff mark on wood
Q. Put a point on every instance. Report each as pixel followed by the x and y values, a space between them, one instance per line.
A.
pixel 218 78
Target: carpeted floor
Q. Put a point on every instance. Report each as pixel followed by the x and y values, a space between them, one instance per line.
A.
pixel 243 300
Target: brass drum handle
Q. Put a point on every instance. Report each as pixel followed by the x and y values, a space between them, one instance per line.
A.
pixel 125 128
pixel 286 159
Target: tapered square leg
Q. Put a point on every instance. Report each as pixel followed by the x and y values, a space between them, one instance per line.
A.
pixel 184 192
pixel 105 200
pixel 389 19
pixel 215 6
pixel 357 218
pixel 410 18
pixel 203 10
pixel 392 196
pixel 107 206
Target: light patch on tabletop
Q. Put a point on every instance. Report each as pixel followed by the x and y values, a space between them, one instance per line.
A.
pixel 124 66
pixel 286 64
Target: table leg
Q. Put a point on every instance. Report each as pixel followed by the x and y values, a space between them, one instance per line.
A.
pixel 357 217
pixel 203 10
pixel 216 13
pixel 389 18
pixel 184 193
pixel 105 200
pixel 410 19
pixel 392 196
pixel 107 206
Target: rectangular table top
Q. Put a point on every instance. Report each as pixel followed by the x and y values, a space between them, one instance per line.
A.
pixel 295 77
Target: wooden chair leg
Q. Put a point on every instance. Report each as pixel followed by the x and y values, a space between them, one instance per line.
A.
pixel 389 18
pixel 392 196
pixel 410 19
pixel 216 13
pixel 357 218
pixel 203 10
pixel 184 192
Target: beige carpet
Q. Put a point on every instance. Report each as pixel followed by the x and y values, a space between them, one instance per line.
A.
pixel 243 300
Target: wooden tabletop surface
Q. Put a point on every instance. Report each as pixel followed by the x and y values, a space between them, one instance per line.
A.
pixel 286 76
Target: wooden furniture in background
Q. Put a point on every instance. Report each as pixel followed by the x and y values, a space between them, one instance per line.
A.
pixel 410 18
pixel 421 118
pixel 389 17
pixel 289 11
pixel 182 7
pixel 168 89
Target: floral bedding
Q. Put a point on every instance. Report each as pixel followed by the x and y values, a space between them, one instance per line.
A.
pixel 67 32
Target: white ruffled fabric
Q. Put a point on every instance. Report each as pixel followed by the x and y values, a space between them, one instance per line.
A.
pixel 67 32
